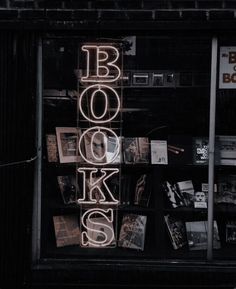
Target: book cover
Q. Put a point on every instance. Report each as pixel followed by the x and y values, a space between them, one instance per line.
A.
pixel 143 150
pixel 200 150
pixel 159 153
pixel 100 233
pixel 95 147
pixel 197 235
pixel 52 152
pixel 67 231
pixel 113 154
pixel 227 149
pixel 132 232
pixel 186 190
pixel 67 185
pixel 226 192
pixel 67 138
pixel 174 196
pixel 177 232
pixel 130 149
pixel 142 191
pixel 230 232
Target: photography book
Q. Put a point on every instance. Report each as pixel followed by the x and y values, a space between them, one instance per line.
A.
pixel 67 141
pixel 67 185
pixel 52 152
pixel 197 235
pixel 67 231
pixel 227 149
pixel 173 195
pixel 177 232
pixel 200 150
pixel 136 150
pixel 132 232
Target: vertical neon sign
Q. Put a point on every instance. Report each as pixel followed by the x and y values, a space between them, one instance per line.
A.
pixel 99 104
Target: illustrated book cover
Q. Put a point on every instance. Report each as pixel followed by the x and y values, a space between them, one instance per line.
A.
pixel 132 232
pixel 67 230
pixel 177 232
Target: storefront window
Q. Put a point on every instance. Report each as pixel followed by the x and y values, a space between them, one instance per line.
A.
pixel 125 148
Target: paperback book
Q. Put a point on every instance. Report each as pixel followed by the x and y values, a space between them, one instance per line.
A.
pixel 226 192
pixel 197 235
pixel 136 150
pixel 67 231
pixel 177 232
pixel 52 152
pixel 142 191
pixel 132 232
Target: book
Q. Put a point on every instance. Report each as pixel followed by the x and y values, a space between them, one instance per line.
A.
pixel 136 150
pixel 67 231
pixel 200 200
pixel 67 138
pixel 95 147
pixel 226 192
pixel 227 149
pixel 186 191
pixel 67 185
pixel 177 232
pixel 113 149
pixel 230 232
pixel 200 150
pixel 159 153
pixel 197 235
pixel 52 152
pixel 142 191
pixel 132 232
pixel 174 196
pixel 100 233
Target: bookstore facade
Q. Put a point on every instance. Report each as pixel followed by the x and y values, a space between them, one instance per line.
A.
pixel 127 138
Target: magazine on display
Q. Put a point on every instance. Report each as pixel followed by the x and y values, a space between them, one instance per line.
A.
pixel 174 196
pixel 67 231
pixel 186 190
pixel 132 232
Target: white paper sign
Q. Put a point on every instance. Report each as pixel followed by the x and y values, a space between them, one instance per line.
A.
pixel 227 74
pixel 159 152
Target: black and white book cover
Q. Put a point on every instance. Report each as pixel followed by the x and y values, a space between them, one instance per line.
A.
pixel 67 185
pixel 173 195
pixel 95 147
pixel 230 232
pixel 142 191
pixel 226 193
pixel 159 153
pixel 67 230
pixel 197 235
pixel 132 232
pixel 177 232
pixel 143 150
pixel 130 150
pixel 186 190
pixel 67 141
pixel 200 150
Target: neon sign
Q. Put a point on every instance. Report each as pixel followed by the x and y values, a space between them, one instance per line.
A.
pixel 99 104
